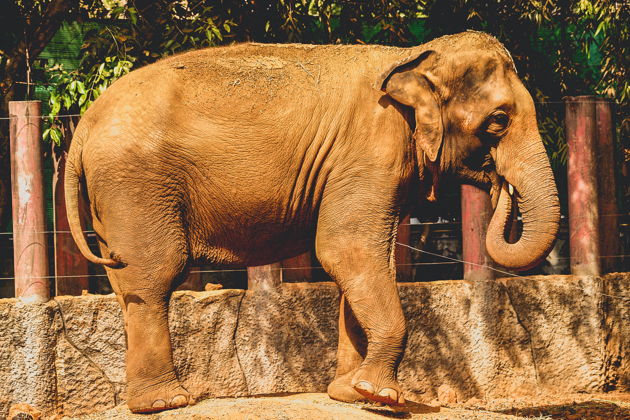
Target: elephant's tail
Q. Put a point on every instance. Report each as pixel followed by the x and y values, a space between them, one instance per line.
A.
pixel 72 186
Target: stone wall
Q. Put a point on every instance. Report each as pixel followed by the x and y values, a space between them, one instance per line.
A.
pixel 491 339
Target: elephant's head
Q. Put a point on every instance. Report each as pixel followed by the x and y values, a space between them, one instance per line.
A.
pixel 474 118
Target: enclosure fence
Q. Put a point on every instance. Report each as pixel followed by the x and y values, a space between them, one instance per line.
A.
pixel 592 228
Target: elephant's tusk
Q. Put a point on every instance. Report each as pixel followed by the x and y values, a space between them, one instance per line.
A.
pixel 510 189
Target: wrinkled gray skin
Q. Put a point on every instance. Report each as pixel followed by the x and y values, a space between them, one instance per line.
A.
pixel 248 154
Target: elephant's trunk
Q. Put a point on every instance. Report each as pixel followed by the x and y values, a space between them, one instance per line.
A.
pixel 537 199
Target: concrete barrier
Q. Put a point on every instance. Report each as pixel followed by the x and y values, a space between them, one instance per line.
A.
pixel 485 339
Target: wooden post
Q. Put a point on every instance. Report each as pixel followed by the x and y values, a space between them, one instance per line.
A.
pixel 297 269
pixel 485 294
pixel 476 215
pixel 581 133
pixel 29 240
pixel 404 269
pixel 606 185
pixel 71 268
pixel 264 277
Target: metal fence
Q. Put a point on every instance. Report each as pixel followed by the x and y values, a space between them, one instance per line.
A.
pixel 427 250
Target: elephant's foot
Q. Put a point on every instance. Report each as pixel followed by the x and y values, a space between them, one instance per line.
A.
pixel 341 389
pixel 377 383
pixel 158 398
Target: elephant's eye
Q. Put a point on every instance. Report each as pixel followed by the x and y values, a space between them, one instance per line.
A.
pixel 497 123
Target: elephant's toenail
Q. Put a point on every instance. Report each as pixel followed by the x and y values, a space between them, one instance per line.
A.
pixel 389 394
pixel 401 399
pixel 365 387
pixel 179 400
pixel 159 404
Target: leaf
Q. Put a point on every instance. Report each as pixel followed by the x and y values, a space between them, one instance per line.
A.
pixel 216 31
pixel 600 28
pixel 55 135
pixel 133 16
pixel 55 105
pixel 73 86
pixel 116 11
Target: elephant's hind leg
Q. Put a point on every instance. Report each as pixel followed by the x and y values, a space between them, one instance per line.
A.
pixel 144 288
pixel 351 350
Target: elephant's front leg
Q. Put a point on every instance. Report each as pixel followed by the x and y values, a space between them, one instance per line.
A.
pixel 360 260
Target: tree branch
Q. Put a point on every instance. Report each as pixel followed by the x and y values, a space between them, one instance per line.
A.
pixel 42 30
pixel 12 24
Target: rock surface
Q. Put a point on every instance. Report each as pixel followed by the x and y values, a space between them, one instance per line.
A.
pixel 28 338
pixel 286 339
pixel 480 340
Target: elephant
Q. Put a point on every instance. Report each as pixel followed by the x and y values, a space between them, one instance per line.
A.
pixel 247 154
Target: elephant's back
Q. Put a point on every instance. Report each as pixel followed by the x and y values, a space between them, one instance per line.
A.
pixel 252 77
pixel 263 65
pixel 210 105
pixel 251 83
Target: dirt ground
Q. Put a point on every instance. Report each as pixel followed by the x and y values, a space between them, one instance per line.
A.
pixel 320 407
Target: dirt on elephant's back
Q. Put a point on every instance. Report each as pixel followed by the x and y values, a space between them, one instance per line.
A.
pixel 319 406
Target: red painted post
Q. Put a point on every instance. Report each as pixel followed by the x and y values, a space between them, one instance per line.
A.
pixel 297 269
pixel 264 277
pixel 476 214
pixel 606 185
pixel 71 268
pixel 404 269
pixel 29 240
pixel 581 133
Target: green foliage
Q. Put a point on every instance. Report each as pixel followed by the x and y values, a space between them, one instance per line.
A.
pixel 73 92
pixel 132 37
pixel 150 30
pixel 326 21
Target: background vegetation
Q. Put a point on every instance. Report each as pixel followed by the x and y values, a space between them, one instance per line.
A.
pixel 561 47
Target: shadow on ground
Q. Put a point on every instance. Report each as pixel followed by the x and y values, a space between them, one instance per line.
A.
pixel 405 412
pixel 587 410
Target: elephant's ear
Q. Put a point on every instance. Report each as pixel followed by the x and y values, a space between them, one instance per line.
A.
pixel 408 82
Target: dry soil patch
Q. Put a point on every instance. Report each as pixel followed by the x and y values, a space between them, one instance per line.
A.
pixel 319 406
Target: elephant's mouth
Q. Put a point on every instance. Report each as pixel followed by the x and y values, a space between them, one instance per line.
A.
pixel 513 228
pixel 479 170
